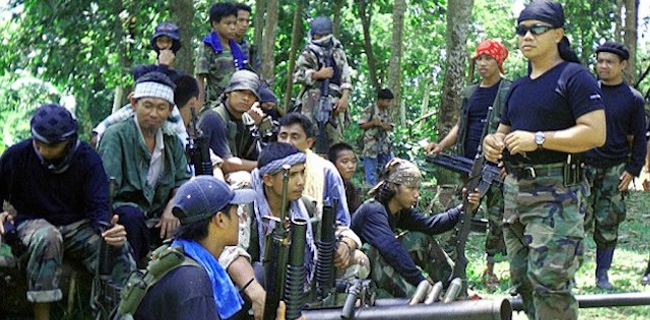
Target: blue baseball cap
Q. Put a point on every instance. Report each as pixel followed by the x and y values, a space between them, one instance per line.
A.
pixel 204 196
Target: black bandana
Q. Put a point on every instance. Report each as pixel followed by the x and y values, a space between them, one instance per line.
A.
pixel 543 10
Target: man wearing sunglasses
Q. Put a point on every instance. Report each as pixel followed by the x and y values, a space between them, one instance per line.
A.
pixel 610 169
pixel 550 116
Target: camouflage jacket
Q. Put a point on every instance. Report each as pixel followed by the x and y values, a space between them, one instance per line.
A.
pixel 217 68
pixel 375 140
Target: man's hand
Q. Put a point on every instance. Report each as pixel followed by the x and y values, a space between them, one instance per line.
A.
pixel 520 142
pixel 493 145
pixel 116 235
pixel 474 199
pixel 625 178
pixel 341 105
pixel 323 73
pixel 168 223
pixel 342 256
pixel 256 113
pixel 166 57
pixel 434 148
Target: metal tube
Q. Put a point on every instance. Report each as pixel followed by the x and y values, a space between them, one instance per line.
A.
pixel 601 300
pixel 498 309
pixel 434 294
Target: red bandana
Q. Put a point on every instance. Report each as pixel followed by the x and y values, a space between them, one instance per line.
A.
pixel 493 49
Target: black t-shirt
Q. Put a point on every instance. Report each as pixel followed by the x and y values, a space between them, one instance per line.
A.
pixel 476 113
pixel 217 131
pixel 548 103
pixel 625 117
pixel 183 293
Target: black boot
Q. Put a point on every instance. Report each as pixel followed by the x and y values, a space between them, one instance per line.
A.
pixel 603 262
pixel 646 276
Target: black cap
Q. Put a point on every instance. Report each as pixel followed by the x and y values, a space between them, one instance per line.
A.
pixel 385 94
pixel 616 48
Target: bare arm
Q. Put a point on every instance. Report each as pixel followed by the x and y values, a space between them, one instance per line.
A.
pixel 200 80
pixel 237 164
pixel 447 141
pixel 241 272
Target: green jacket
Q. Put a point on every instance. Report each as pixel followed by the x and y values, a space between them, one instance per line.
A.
pixel 126 158
pixel 495 118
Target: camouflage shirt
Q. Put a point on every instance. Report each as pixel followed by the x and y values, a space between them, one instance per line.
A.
pixel 217 67
pixel 375 140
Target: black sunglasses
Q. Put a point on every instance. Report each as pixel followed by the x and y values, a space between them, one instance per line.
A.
pixel 536 30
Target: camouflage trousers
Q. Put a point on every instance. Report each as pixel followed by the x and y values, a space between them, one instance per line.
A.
pixel 46 245
pixel 425 252
pixel 543 233
pixel 494 243
pixel 605 205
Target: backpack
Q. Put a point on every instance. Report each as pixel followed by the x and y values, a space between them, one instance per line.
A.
pixel 163 260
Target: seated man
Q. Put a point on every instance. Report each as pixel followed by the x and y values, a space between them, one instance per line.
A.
pixel 149 163
pixel 393 267
pixel 166 42
pixel 59 189
pixel 322 181
pixel 199 288
pixel 267 183
pixel 345 160
pixel 229 124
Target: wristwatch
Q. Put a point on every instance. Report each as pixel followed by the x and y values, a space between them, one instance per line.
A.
pixel 540 138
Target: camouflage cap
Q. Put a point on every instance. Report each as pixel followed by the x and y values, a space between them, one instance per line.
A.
pixel 244 80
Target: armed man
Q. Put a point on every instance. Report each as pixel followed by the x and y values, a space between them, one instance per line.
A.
pixel 550 116
pixel 60 191
pixel 467 133
pixel 612 167
pixel 376 124
pixel 322 68
pixel 398 262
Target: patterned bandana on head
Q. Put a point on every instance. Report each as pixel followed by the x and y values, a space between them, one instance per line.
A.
pixel 401 172
pixel 151 89
pixel 274 166
pixel 493 49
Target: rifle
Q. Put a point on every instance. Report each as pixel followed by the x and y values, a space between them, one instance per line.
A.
pixel 276 255
pixel 324 109
pixel 105 294
pixel 359 289
pixel 489 172
pixel 325 275
pixel 198 149
pixel 474 181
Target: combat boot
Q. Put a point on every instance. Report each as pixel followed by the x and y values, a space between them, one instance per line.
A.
pixel 603 262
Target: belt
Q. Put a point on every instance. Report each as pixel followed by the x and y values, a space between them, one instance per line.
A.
pixel 530 172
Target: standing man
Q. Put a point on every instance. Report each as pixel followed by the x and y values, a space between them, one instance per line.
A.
pixel 324 59
pixel 376 123
pixel 466 136
pixel 250 50
pixel 612 167
pixel 59 189
pixel 149 164
pixel 219 55
pixel 550 116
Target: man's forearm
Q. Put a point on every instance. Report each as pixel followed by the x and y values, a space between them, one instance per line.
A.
pixel 237 164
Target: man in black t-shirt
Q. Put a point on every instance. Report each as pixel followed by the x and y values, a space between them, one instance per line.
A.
pixel 550 115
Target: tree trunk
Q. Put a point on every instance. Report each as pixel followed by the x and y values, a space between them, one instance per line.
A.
pixel 458 15
pixel 125 64
pixel 268 62
pixel 395 62
pixel 182 14
pixel 618 18
pixel 365 14
pixel 296 37
pixel 336 23
pixel 631 18
pixel 258 22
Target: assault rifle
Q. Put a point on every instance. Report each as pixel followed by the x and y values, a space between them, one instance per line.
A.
pixel 105 294
pixel 198 149
pixel 489 172
pixel 276 255
pixel 325 273
pixel 324 109
pixel 474 181
pixel 295 278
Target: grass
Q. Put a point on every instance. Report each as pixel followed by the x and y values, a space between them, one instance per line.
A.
pixel 630 261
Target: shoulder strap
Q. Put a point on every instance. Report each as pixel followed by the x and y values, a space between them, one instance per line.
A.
pixel 164 260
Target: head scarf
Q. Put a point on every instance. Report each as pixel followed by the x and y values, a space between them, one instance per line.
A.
pixel 494 49
pixel 553 14
pixel 399 171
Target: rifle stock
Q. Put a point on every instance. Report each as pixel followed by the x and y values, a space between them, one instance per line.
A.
pixel 198 149
pixel 276 255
